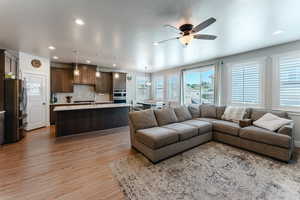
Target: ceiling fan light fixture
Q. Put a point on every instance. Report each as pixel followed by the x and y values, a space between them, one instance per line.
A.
pixel 186 40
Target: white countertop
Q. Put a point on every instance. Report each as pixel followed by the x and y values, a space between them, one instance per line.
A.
pixel 84 107
pixel 72 103
pixel 1 112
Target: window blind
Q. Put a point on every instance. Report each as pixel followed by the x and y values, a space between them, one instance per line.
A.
pixel 245 83
pixel 289 75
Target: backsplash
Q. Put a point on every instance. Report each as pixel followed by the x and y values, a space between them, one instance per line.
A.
pixel 83 93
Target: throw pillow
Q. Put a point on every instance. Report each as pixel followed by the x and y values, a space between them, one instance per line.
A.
pixel 271 122
pixel 234 114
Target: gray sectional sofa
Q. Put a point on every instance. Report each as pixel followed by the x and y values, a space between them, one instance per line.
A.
pixel 159 134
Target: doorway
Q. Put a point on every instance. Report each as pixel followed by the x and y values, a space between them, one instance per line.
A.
pixel 36 98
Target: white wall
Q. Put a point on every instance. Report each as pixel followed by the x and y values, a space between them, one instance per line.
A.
pixel 26 67
pixel 265 53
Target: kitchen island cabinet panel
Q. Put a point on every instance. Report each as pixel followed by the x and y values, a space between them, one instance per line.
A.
pixel 91 118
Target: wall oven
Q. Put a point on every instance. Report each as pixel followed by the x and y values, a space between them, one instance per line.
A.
pixel 119 96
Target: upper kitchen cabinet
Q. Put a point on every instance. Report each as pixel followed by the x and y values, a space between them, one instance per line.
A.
pixel 61 80
pixel 104 83
pixel 87 75
pixel 119 80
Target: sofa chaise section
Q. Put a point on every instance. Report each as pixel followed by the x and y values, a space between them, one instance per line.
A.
pixel 164 134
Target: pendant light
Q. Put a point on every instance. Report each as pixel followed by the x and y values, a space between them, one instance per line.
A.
pixel 147 83
pixel 98 73
pixel 76 70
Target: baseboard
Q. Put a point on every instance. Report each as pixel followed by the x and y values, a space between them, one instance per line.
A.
pixel 297 143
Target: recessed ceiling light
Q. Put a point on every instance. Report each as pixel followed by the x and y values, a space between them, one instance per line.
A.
pixel 88 61
pixel 55 57
pixel 278 32
pixel 51 48
pixel 114 65
pixel 79 22
pixel 155 43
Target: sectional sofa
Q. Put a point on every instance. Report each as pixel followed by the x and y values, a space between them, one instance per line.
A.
pixel 159 134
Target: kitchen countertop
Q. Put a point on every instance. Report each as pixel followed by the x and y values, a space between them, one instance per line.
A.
pixel 66 104
pixel 1 112
pixel 85 107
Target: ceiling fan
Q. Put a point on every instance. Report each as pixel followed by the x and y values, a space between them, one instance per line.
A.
pixel 188 32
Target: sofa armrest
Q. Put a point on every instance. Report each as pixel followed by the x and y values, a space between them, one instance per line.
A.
pixel 132 131
pixel 245 122
pixel 287 129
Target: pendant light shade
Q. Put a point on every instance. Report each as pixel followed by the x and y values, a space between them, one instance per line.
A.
pixel 98 74
pixel 76 70
pixel 147 83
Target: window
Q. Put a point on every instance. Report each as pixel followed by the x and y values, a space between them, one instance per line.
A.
pixel 246 83
pixel 159 88
pixel 198 85
pixel 289 79
pixel 142 91
pixel 173 87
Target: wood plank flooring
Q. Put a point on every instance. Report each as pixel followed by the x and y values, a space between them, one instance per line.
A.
pixel 76 167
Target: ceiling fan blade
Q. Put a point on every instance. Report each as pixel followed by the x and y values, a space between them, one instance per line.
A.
pixel 204 24
pixel 172 28
pixel 162 41
pixel 205 37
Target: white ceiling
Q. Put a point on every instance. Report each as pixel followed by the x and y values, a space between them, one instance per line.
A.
pixel 123 31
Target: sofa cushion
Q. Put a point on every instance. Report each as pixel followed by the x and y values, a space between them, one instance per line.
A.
pixel 165 116
pixel 264 136
pixel 194 110
pixel 157 137
pixel 258 113
pixel 208 110
pixel 203 127
pixel 226 127
pixel 220 111
pixel 182 113
pixel 184 131
pixel 143 119
pixel 210 120
pixel 287 129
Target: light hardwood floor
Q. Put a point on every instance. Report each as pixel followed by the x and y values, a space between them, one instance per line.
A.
pixel 77 167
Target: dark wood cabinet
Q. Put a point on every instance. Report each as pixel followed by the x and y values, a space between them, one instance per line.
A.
pixel 8 65
pixel 104 83
pixel 87 75
pixel 119 81
pixel 62 80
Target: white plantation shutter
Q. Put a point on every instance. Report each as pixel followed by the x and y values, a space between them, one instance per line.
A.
pixel 246 83
pixel 289 76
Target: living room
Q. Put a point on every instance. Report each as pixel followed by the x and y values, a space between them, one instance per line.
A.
pixel 148 100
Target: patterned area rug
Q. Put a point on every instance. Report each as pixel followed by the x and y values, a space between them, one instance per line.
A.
pixel 210 171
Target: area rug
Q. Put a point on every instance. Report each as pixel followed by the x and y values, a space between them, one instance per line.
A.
pixel 210 171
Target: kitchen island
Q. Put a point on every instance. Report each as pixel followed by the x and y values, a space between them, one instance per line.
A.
pixel 86 118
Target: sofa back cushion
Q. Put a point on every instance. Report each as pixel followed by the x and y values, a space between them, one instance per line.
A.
pixel 194 110
pixel 220 111
pixel 208 111
pixel 165 116
pixel 258 113
pixel 143 119
pixel 182 114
